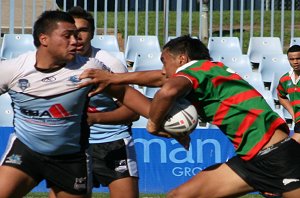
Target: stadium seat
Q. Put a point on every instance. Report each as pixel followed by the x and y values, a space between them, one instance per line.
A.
pixel 255 79
pixel 141 45
pixel 119 55
pixel 147 61
pixel 224 46
pixel 6 111
pixel 140 123
pixel 272 67
pixel 260 46
pixel 106 42
pixel 149 92
pixel 239 63
pixel 295 41
pixel 14 45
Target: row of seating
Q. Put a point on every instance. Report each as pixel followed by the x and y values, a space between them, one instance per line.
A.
pixel 145 53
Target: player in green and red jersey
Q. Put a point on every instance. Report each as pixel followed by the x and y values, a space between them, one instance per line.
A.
pixel 289 86
pixel 265 159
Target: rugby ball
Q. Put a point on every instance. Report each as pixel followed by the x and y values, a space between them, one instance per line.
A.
pixel 181 118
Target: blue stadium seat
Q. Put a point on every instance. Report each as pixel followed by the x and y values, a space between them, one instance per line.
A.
pixel 272 67
pixel 14 45
pixel 106 42
pixel 6 111
pixel 255 79
pixel 295 41
pixel 141 45
pixel 147 61
pixel 224 46
pixel 119 55
pixel 260 46
pixel 140 123
pixel 239 63
pixel 149 92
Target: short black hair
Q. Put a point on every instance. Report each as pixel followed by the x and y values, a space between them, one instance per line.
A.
pixel 192 47
pixel 80 13
pixel 294 48
pixel 47 22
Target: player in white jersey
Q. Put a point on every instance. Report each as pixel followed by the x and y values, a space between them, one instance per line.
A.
pixel 113 154
pixel 51 132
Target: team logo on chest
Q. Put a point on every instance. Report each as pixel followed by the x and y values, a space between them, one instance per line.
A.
pixel 73 80
pixel 23 84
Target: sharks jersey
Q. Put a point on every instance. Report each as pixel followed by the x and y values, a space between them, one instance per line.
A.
pixel 102 102
pixel 49 109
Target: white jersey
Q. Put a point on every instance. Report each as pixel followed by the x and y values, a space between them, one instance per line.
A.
pixel 101 133
pixel 49 109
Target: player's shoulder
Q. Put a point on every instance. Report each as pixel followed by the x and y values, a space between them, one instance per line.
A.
pixel 110 60
pixel 23 60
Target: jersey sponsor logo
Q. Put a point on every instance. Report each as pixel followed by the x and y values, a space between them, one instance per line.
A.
pixel 288 181
pixel 49 79
pixel 80 183
pixel 14 159
pixel 55 111
pixel 23 84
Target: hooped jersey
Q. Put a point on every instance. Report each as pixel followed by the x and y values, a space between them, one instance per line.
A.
pixel 223 98
pixel 49 108
pixel 288 88
pixel 102 102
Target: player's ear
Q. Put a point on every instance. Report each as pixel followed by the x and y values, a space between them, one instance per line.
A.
pixel 43 39
pixel 183 59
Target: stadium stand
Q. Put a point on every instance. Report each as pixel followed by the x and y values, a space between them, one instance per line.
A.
pixel 272 67
pixel 224 46
pixel 295 41
pixel 141 45
pixel 239 63
pixel 15 44
pixel 147 61
pixel 106 42
pixel 260 46
pixel 6 111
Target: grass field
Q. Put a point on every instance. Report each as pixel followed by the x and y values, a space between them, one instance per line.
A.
pixel 105 195
pixel 216 22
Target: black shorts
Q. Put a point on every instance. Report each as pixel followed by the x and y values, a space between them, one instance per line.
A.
pixel 113 160
pixel 69 172
pixel 275 169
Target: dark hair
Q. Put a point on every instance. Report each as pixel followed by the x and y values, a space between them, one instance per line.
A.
pixel 193 47
pixel 47 22
pixel 80 13
pixel 294 48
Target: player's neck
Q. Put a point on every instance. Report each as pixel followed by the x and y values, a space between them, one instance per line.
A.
pixel 45 62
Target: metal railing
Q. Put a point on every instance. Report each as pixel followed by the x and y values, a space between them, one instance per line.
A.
pixel 201 18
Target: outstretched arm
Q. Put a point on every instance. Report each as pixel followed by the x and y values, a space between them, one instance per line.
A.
pixel 131 98
pixel 121 115
pixel 102 79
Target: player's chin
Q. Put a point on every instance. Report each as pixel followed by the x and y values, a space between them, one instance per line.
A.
pixel 71 56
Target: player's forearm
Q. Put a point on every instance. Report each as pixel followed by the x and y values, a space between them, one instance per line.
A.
pixel 286 104
pixel 153 78
pixel 117 116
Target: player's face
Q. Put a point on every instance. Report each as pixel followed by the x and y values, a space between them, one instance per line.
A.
pixel 294 59
pixel 61 42
pixel 171 62
pixel 84 37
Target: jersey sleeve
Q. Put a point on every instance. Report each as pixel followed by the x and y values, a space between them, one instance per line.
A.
pixel 110 61
pixel 281 92
pixel 6 74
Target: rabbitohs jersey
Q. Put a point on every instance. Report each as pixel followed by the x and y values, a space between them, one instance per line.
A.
pixel 49 109
pixel 223 98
